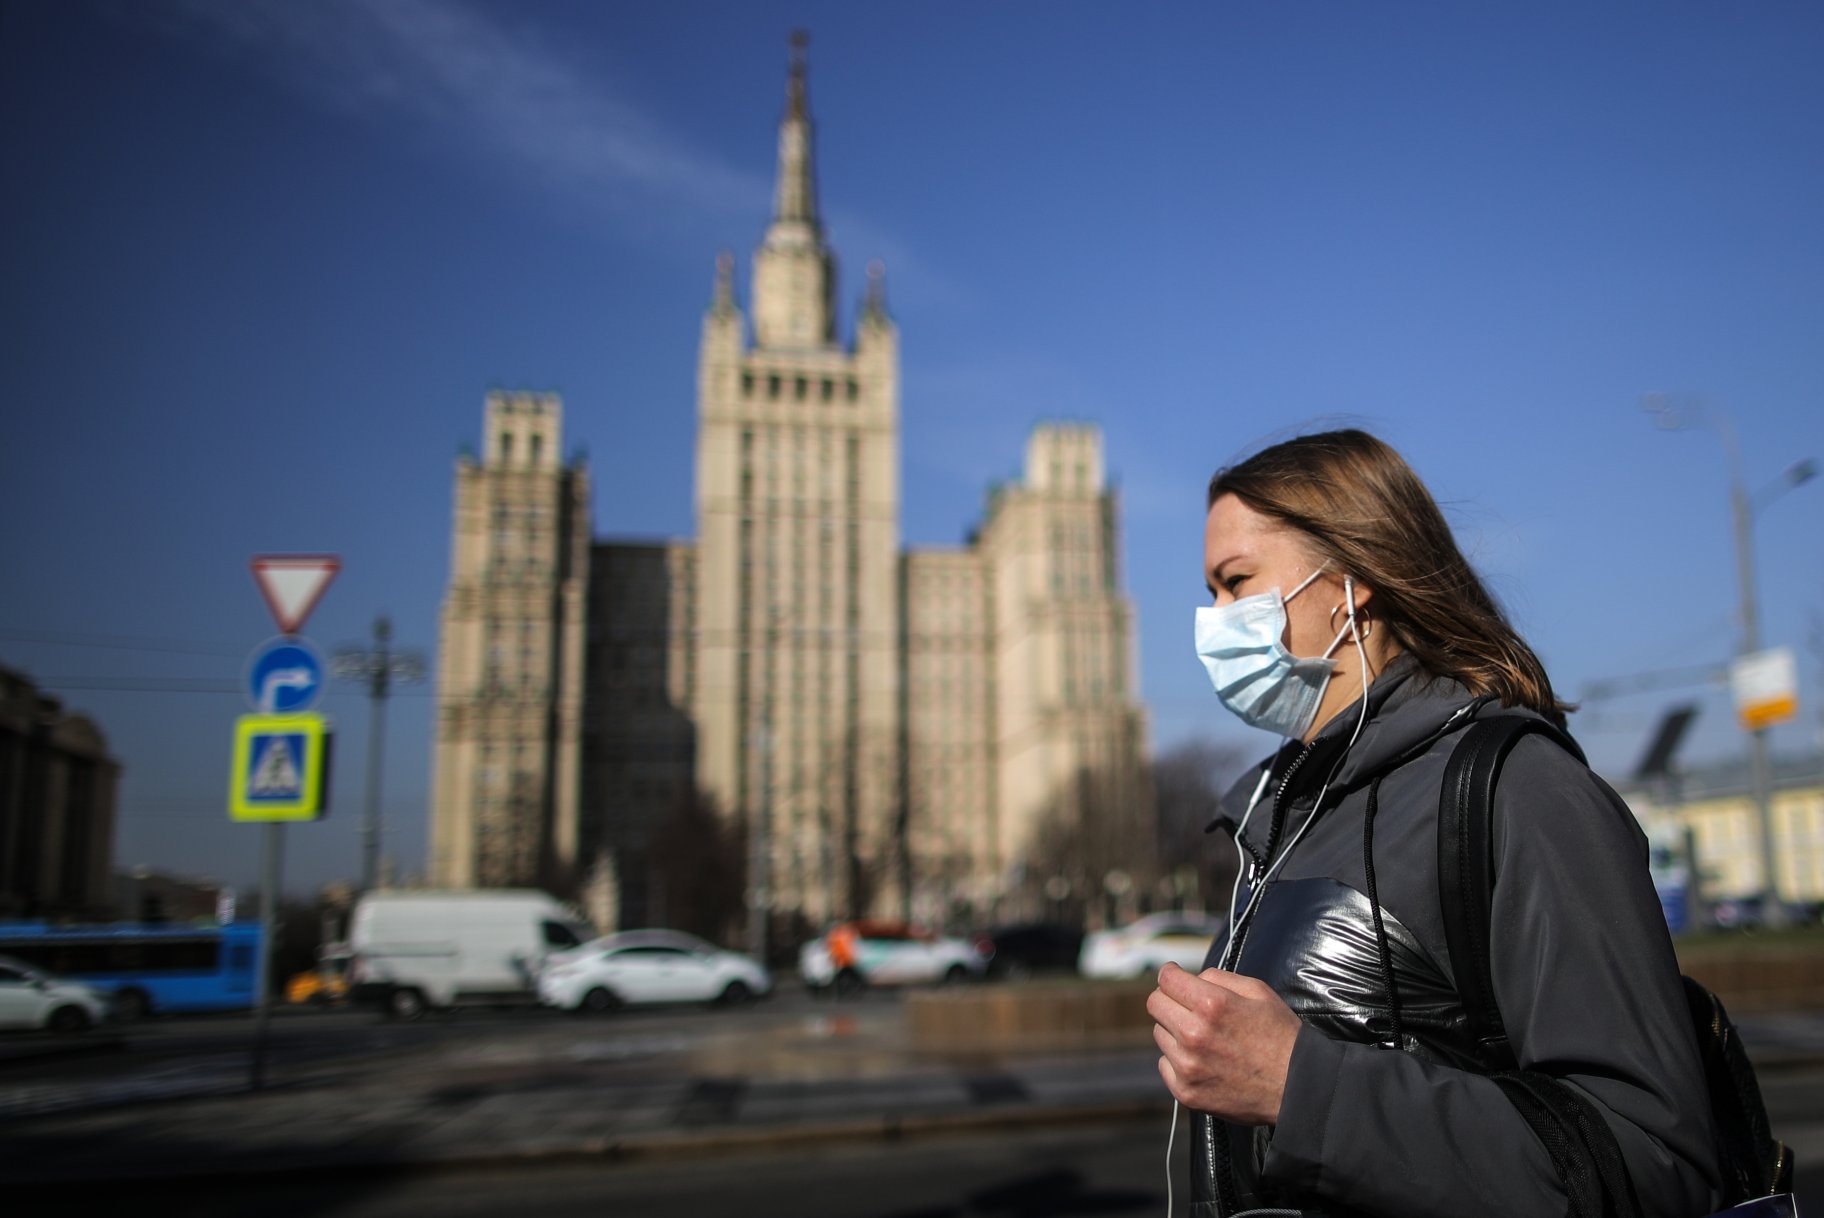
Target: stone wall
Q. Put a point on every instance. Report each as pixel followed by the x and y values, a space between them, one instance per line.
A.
pixel 1069 1012
pixel 1756 977
pixel 1038 1015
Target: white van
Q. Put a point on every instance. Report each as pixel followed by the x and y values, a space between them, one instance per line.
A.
pixel 415 949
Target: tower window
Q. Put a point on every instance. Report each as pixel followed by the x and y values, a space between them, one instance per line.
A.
pixel 506 447
pixel 800 388
pixel 772 387
pixel 747 384
pixel 829 389
pixel 538 444
pixel 854 390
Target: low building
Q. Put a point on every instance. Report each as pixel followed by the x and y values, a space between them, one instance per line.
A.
pixel 143 894
pixel 57 795
pixel 1715 805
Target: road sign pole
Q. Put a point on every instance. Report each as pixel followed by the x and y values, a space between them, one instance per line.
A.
pixel 269 924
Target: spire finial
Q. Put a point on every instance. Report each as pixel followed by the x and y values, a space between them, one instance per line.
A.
pixel 795 106
pixel 795 196
pixel 874 304
pixel 723 302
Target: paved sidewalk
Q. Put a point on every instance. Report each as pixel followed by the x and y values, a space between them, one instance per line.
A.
pixel 600 1095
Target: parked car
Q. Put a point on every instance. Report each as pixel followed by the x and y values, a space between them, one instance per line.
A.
pixel 1142 948
pixel 30 998
pixel 327 983
pixel 645 967
pixel 1031 947
pixel 875 952
pixel 419 949
pixel 645 937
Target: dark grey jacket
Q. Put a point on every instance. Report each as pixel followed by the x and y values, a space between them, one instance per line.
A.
pixel 1583 971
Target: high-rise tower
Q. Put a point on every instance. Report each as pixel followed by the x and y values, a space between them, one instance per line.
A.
pixel 510 658
pixel 886 731
pixel 797 565
pixel 1021 713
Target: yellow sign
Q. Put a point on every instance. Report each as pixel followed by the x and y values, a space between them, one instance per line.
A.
pixel 281 768
pixel 1766 687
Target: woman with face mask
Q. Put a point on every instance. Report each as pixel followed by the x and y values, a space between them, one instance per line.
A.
pixel 1323 1051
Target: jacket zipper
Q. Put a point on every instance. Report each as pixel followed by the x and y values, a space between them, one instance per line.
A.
pixel 1227 1195
pixel 1223 1167
pixel 1274 832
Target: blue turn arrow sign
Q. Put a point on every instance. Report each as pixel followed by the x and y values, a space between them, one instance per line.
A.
pixel 284 676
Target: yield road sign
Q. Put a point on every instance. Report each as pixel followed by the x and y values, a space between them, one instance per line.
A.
pixel 293 584
pixel 284 676
pixel 281 768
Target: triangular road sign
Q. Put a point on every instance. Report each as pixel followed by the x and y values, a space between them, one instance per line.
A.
pixel 293 584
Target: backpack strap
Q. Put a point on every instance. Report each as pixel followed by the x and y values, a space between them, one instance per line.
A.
pixel 1583 1149
pixel 1466 864
pixel 1754 1162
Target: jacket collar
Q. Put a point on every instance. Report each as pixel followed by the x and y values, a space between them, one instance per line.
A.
pixel 1406 709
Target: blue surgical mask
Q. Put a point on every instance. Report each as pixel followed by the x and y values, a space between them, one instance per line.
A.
pixel 1242 648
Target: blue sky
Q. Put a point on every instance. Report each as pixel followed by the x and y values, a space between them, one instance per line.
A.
pixel 263 259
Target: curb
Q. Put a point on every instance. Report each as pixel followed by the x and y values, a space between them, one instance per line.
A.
pixel 1793 1059
pixel 24 1049
pixel 670 1144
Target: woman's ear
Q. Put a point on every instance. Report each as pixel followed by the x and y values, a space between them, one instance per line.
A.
pixel 1354 592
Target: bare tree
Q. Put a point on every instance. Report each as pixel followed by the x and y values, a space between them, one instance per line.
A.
pixel 1099 835
pixel 1188 779
pixel 699 859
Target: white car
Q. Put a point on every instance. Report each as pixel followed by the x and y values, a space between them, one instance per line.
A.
pixel 1142 948
pixel 871 952
pixel 32 998
pixel 645 967
pixel 654 937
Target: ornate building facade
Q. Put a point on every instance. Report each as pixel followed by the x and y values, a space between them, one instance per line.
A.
pixel 507 762
pixel 890 729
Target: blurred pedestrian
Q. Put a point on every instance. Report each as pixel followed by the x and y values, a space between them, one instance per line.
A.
pixel 1323 1048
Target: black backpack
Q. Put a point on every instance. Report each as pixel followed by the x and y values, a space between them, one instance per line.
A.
pixel 1752 1162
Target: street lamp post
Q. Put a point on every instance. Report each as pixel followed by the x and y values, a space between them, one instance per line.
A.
pixel 1742 510
pixel 760 829
pixel 379 667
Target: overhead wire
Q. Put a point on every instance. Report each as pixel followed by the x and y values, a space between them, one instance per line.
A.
pixel 114 642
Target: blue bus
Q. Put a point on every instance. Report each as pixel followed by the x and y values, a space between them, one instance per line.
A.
pixel 146 968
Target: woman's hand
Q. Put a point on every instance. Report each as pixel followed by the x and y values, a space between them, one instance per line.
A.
pixel 1227 1043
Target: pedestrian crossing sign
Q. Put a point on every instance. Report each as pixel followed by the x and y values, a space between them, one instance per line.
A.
pixel 281 768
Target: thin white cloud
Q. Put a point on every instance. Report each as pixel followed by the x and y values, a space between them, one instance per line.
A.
pixel 508 95
pixel 475 82
pixel 910 279
pixel 1007 391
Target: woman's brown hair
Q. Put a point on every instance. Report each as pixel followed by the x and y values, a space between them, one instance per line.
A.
pixel 1361 508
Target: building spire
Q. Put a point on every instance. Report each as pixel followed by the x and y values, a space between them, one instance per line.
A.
pixel 723 302
pixel 874 304
pixel 795 106
pixel 794 270
pixel 795 195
